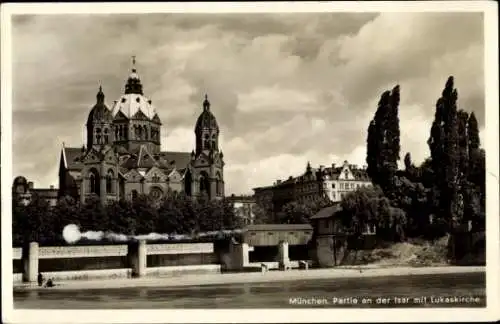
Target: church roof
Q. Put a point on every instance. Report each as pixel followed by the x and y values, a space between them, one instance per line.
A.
pixel 72 156
pixel 133 99
pixel 20 180
pixel 100 112
pixel 206 118
pixel 177 159
pixel 132 103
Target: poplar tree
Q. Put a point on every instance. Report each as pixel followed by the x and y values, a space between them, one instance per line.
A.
pixel 383 142
pixel 376 140
pixel 443 144
pixel 392 147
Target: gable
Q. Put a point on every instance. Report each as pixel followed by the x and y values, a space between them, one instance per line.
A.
pixel 203 160
pixel 92 156
pixel 120 116
pixel 155 175
pixel 346 174
pixel 139 115
pixel 133 176
pixel 175 176
pixel 110 157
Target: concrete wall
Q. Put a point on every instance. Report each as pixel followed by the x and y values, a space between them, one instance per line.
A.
pixel 273 237
pixel 113 261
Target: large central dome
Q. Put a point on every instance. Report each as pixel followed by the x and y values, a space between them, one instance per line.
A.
pixel 133 100
pixel 130 104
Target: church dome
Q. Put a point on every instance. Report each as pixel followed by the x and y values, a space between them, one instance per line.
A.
pixel 130 104
pixel 100 112
pixel 133 100
pixel 20 180
pixel 206 118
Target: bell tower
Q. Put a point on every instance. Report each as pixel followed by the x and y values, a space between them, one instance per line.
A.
pixel 99 123
pixel 207 161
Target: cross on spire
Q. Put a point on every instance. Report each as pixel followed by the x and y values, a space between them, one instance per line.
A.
pixel 206 103
pixel 133 64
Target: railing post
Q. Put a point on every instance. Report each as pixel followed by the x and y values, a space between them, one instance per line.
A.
pixel 137 258
pixel 284 260
pixel 30 262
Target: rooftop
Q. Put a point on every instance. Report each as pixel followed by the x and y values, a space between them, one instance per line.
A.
pixel 278 227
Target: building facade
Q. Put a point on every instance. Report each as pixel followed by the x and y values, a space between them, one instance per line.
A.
pixel 25 191
pixel 332 182
pixel 243 208
pixel 123 157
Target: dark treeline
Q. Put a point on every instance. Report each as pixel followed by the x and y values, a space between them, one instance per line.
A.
pixel 443 194
pixel 176 214
pixel 446 193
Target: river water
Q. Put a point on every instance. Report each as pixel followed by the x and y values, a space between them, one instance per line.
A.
pixel 443 290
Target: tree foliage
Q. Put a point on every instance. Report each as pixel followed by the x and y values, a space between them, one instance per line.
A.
pixel 175 214
pixel 300 212
pixel 447 189
pixel 383 142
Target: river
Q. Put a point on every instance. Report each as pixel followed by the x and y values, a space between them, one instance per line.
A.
pixel 441 290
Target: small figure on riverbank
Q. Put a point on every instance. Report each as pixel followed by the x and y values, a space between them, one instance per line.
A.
pixel 50 283
pixel 40 279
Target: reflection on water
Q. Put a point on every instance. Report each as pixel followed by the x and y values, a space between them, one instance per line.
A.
pixel 264 295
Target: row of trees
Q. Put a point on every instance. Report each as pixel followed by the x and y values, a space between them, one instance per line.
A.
pixel 176 214
pixel 447 190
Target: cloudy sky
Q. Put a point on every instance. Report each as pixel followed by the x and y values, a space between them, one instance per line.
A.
pixel 285 88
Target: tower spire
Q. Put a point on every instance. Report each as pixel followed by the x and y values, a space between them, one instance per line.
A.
pixel 206 103
pixel 133 83
pixel 100 94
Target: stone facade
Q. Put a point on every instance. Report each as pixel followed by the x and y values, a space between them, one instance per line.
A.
pixel 314 184
pixel 24 191
pixel 123 156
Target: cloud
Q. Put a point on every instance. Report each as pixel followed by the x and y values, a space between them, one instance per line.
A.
pixel 285 88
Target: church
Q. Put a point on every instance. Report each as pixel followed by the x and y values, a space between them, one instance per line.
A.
pixel 123 158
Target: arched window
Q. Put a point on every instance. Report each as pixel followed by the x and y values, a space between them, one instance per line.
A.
pixel 117 132
pixel 145 132
pixel 346 173
pixel 214 142
pixel 106 136
pixel 134 194
pixel 94 182
pixel 156 193
pixel 206 144
pixel 204 184
pixel 218 185
pixel 188 183
pixel 109 182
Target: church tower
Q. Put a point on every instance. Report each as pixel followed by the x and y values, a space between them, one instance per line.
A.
pixel 99 124
pixel 207 159
pixel 99 171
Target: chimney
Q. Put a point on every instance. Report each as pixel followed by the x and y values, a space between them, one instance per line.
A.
pixel 278 181
pixel 346 163
pixel 333 165
pixel 30 185
pixel 51 187
pixel 321 168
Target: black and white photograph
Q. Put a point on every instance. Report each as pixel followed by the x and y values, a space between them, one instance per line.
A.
pixel 266 160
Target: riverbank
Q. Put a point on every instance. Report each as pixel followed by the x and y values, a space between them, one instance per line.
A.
pixel 253 277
